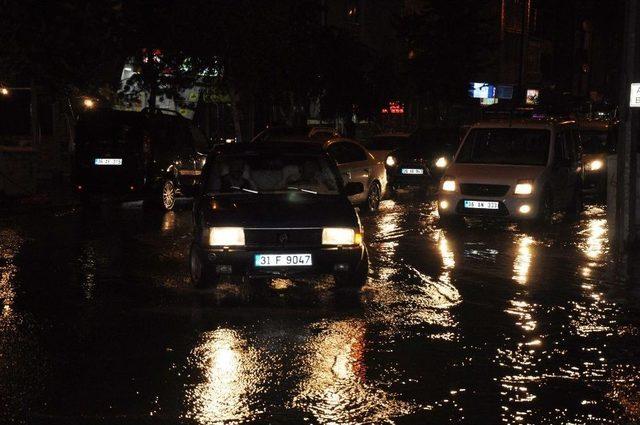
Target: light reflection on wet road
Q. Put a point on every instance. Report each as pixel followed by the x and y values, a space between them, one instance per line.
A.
pixel 484 324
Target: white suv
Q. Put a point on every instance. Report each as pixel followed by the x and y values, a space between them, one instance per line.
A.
pixel 522 170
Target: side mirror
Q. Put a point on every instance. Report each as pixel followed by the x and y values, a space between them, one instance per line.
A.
pixel 353 188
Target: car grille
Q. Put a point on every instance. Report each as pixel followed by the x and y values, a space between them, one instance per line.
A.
pixel 472 189
pixel 283 238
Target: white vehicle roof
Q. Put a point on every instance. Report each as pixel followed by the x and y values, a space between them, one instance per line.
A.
pixel 523 123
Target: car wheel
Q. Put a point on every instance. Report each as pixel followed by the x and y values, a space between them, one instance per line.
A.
pixel 545 214
pixel 200 269
pixel 168 195
pixel 356 278
pixel 373 197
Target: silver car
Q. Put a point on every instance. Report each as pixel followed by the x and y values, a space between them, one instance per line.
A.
pixel 521 170
pixel 358 165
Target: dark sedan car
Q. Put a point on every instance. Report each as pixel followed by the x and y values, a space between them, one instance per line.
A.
pixel 415 159
pixel 275 209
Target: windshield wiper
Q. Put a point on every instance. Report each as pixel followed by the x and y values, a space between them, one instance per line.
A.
pixel 302 190
pixel 244 190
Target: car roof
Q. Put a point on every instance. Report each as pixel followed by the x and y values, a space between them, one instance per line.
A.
pixel 294 147
pixel 545 124
pixel 393 134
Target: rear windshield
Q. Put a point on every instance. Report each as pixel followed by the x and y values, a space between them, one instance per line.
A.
pixel 594 142
pixel 116 131
pixel 386 143
pixel 274 172
pixel 505 146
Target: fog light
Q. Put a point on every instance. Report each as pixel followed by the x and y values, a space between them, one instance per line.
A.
pixel 525 209
pixel 444 205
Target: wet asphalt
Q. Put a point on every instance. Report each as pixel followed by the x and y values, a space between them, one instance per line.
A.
pixel 477 325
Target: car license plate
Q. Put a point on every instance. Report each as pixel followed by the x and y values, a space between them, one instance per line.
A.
pixel 283 260
pixel 481 205
pixel 413 171
pixel 108 161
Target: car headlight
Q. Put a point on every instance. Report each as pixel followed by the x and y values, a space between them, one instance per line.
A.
pixel 226 236
pixel 595 165
pixel 340 236
pixel 442 162
pixel 391 161
pixel 524 188
pixel 449 184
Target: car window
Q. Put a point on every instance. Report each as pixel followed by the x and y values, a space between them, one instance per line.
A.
pixel 594 141
pixel 505 146
pixel 199 139
pixel 345 152
pixel 386 143
pixel 562 149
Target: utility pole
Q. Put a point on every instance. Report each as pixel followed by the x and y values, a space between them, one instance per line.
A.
pixel 627 163
pixel 524 41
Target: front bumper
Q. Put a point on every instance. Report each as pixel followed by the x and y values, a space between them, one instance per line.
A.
pixel 595 182
pixel 397 179
pixel 326 260
pixel 452 204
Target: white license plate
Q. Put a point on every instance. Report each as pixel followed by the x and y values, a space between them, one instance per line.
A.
pixel 108 161
pixel 412 171
pixel 481 205
pixel 283 260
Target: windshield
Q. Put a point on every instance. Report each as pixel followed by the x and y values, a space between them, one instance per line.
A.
pixel 594 142
pixel 253 173
pixel 386 143
pixel 505 146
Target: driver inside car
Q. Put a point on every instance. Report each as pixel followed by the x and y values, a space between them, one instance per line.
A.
pixel 235 179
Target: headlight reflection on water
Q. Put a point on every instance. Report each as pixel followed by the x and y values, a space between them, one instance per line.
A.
pixel 232 375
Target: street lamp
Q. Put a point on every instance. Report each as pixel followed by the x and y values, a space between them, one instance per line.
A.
pixel 4 91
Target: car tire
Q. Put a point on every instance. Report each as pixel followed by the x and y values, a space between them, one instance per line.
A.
pixel 200 270
pixel 355 279
pixel 545 214
pixel 373 198
pixel 168 195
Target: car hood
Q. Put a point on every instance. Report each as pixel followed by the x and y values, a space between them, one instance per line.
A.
pixel 288 210
pixel 494 174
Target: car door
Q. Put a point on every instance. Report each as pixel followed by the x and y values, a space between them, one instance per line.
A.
pixel 561 174
pixel 185 154
pixel 354 165
pixel 201 147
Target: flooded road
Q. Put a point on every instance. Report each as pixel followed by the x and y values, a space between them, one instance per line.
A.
pixel 481 324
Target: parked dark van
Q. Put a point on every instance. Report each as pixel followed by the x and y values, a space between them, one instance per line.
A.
pixel 155 157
